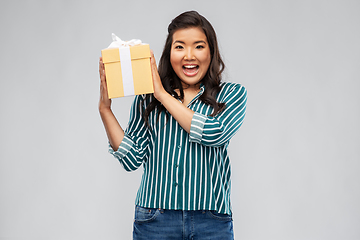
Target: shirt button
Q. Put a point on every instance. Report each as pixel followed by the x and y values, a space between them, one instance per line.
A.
pixel 176 184
pixel 179 146
pixel 176 165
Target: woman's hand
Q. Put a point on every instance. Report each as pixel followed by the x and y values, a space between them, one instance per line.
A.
pixel 104 102
pixel 159 90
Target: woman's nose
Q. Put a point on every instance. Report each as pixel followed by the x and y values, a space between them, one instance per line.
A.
pixel 189 55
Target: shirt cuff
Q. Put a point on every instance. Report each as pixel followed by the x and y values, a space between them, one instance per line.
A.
pixel 125 146
pixel 197 127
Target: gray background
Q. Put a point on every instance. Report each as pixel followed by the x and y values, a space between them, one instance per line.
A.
pixel 295 161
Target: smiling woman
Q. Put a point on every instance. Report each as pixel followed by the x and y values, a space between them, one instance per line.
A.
pixel 190 55
pixel 180 135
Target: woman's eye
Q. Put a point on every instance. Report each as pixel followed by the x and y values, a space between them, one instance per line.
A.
pixel 199 47
pixel 179 47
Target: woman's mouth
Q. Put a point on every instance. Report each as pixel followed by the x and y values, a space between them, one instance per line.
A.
pixel 190 70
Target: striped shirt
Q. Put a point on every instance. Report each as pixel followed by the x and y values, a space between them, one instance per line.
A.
pixel 184 171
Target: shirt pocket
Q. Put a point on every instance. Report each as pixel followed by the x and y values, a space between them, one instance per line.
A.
pixel 145 215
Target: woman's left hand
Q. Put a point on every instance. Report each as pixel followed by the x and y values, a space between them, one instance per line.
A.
pixel 159 90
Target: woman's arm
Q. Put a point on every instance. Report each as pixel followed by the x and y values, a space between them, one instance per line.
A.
pixel 131 150
pixel 206 130
pixel 113 129
pixel 180 112
pixel 217 131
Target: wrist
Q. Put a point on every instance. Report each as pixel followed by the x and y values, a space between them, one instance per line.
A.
pixel 162 96
pixel 104 109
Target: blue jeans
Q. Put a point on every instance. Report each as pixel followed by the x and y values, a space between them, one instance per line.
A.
pixel 161 224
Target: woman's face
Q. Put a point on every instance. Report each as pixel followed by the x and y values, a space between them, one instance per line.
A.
pixel 190 55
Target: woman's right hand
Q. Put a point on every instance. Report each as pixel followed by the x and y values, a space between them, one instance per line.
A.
pixel 104 102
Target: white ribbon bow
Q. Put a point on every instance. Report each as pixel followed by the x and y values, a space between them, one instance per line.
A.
pixel 118 43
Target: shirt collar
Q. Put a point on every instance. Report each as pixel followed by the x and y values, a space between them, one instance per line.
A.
pixel 202 89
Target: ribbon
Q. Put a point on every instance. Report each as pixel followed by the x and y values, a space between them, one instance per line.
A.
pixel 118 43
pixel 125 61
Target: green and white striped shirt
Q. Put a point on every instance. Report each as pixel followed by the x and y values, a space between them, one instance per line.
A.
pixel 184 171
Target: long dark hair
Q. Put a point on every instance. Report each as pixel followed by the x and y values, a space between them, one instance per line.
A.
pixel 171 81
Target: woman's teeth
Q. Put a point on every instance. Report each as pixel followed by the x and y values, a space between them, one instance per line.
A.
pixel 190 70
pixel 190 66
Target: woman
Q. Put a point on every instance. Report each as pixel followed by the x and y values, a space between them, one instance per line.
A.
pixel 180 135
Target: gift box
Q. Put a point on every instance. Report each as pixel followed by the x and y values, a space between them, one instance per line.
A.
pixel 127 68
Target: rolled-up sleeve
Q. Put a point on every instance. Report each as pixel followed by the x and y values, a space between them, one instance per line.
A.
pixel 134 148
pixel 216 131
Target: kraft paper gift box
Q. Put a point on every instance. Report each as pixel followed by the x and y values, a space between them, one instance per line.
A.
pixel 127 68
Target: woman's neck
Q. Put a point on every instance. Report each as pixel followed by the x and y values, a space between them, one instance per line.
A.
pixel 187 87
pixel 190 91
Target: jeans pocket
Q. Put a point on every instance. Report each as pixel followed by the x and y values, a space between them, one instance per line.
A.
pixel 219 216
pixel 143 215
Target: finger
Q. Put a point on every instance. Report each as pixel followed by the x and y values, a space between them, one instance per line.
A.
pixel 101 63
pixel 101 66
pixel 102 71
pixel 103 85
